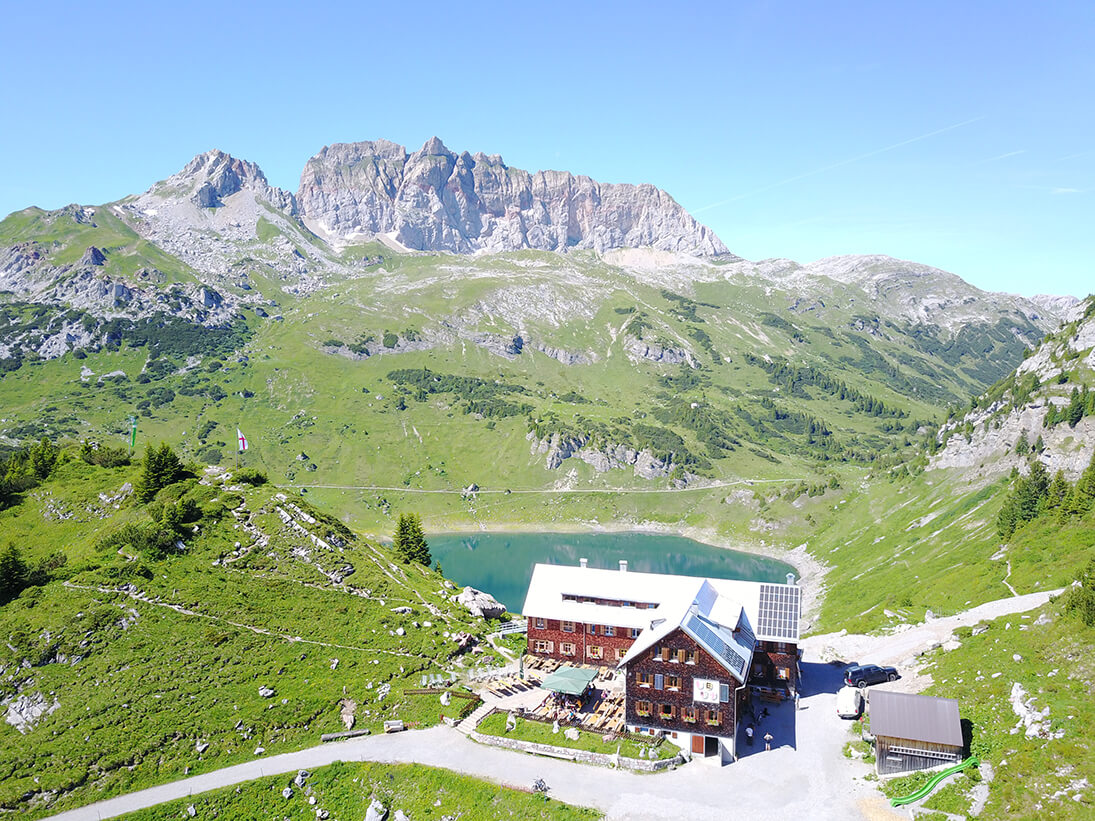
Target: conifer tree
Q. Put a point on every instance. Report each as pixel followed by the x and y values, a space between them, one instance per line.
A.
pixel 43 457
pixel 401 542
pixel 420 550
pixel 1075 410
pixel 1085 488
pixel 410 542
pixel 1058 490
pixel 13 573
pixel 159 468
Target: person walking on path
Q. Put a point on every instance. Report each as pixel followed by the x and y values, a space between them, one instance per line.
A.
pixel 796 699
pixel 767 741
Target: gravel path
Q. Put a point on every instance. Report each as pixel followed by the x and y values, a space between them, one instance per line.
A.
pixel 804 775
pixel 901 647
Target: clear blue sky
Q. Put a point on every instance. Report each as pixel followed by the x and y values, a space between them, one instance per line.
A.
pixel 958 134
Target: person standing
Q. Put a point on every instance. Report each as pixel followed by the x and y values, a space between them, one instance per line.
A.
pixel 767 741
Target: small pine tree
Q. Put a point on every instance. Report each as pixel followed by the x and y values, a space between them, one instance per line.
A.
pixel 410 543
pixel 1058 490
pixel 400 542
pixel 1051 416
pixel 421 549
pixel 43 458
pixel 13 573
pixel 1081 598
pixel 1075 410
pixel 1084 490
pixel 159 468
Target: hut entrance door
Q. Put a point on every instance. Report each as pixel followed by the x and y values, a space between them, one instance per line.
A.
pixel 697 744
pixel 710 745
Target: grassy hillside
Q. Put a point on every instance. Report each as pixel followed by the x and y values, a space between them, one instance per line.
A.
pixel 64 235
pixel 298 387
pixel 1045 771
pixel 153 666
pixel 346 790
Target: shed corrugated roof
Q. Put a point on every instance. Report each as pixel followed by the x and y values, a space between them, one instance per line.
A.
pixel 916 718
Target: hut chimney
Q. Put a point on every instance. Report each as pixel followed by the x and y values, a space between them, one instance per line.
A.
pixel 790 578
pixel 623 565
pixel 583 562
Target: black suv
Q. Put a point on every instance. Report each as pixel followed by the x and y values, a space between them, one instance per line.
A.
pixel 860 675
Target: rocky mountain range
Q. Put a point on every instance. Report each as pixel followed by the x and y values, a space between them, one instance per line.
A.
pixel 547 251
pixel 437 200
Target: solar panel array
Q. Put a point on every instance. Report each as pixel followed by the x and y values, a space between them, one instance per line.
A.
pixel 747 633
pixel 778 614
pixel 728 652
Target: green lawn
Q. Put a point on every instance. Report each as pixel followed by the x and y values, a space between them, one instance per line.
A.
pixel 540 733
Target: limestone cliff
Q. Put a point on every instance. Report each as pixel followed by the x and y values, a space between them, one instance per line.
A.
pixel 437 200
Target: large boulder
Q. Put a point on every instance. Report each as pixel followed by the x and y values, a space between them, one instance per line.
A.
pixel 376 811
pixel 480 603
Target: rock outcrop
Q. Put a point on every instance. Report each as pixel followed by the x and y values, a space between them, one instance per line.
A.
pixel 995 438
pixel 479 603
pixel 214 175
pixel 92 256
pixel 24 711
pixel 437 200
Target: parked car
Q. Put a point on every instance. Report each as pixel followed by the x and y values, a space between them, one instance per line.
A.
pixel 860 675
pixel 849 702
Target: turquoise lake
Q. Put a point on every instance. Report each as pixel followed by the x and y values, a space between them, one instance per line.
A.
pixel 501 563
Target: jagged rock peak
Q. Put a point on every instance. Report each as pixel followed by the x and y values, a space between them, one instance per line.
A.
pixel 92 256
pixel 214 175
pixel 437 200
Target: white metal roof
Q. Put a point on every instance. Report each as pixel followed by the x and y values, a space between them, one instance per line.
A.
pixel 718 624
pixel 772 609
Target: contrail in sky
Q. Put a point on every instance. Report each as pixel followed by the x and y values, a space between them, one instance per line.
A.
pixel 848 161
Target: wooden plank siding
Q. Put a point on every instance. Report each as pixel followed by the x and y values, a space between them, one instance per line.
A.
pixel 672 708
pixel 592 643
pixel 904 755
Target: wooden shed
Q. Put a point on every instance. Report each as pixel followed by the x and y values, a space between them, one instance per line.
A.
pixel 914 732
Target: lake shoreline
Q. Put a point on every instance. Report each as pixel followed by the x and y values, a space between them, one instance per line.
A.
pixel 810 571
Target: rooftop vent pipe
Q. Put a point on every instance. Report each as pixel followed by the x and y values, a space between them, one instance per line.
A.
pixel 583 562
pixel 790 578
pixel 623 565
